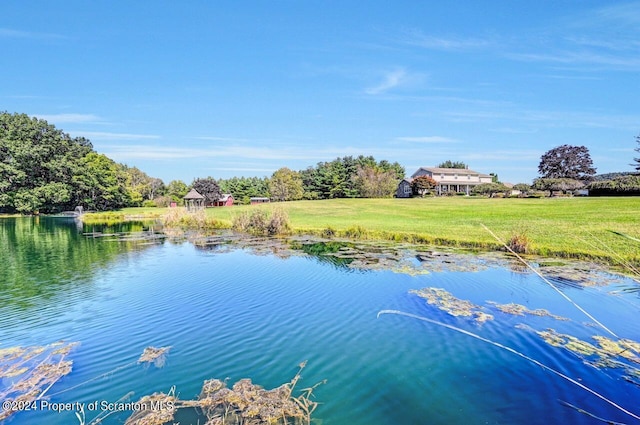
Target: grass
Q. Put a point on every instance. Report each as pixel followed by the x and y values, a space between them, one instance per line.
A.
pixel 113 217
pixel 598 228
pixel 566 227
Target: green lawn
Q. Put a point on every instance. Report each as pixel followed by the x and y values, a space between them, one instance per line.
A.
pixel 602 228
pixel 582 227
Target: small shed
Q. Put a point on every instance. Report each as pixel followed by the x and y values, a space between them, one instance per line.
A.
pixel 404 189
pixel 193 201
pixel 226 200
pixel 259 200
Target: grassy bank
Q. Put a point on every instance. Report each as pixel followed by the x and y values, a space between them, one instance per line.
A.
pixel 124 214
pixel 569 227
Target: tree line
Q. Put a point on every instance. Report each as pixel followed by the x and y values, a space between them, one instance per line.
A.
pixel 43 169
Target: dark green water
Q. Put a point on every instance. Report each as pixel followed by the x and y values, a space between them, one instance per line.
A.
pixel 231 313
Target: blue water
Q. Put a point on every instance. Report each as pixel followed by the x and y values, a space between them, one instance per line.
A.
pixel 233 314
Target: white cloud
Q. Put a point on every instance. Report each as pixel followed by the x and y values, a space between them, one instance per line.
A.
pixel 582 58
pixel 69 118
pixel 391 79
pixel 236 153
pixel 419 39
pixel 100 135
pixel 10 33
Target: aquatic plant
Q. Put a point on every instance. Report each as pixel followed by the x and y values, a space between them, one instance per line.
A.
pixel 445 301
pixel 154 355
pixel 31 371
pixel 38 368
pixel 244 403
pixel 547 281
pixel 520 310
pixel 513 351
pixel 608 352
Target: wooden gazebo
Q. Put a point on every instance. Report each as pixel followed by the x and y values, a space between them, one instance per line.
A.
pixel 193 201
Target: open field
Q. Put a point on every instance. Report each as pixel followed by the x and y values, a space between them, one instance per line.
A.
pixel 569 227
pixel 580 227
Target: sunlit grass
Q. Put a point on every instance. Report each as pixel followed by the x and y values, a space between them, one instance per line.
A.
pixel 603 228
pixel 568 227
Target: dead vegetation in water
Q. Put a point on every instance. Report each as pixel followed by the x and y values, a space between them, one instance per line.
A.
pixel 520 310
pixel 154 409
pixel 30 372
pixel 605 353
pixel 244 403
pixel 154 355
pixel 457 307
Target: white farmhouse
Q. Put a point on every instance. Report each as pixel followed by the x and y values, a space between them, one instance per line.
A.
pixel 448 180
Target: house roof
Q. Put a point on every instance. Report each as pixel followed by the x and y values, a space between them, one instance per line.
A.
pixel 459 171
pixel 225 197
pixel 193 194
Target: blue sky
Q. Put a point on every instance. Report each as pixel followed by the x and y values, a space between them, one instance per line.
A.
pixel 241 88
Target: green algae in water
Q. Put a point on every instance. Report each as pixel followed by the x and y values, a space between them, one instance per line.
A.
pixel 607 353
pixel 520 310
pixel 457 307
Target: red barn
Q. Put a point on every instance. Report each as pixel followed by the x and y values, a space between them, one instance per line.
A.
pixel 225 201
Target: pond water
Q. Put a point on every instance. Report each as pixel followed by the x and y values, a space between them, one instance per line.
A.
pixel 243 310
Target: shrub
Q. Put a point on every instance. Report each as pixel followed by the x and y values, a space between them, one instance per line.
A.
pixel 278 222
pixel 259 222
pixel 355 232
pixel 328 232
pixel 519 242
pixel 162 201
pixel 149 203
pixel 179 217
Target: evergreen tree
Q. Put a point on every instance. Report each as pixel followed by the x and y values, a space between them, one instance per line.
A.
pixel 637 160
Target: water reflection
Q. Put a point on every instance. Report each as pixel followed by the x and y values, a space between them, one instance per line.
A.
pixel 45 258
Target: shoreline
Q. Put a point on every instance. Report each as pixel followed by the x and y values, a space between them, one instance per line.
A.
pixel 605 230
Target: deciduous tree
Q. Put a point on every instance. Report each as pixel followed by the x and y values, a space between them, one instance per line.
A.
pixel 100 184
pixel 422 185
pixel 375 182
pixel 490 189
pixel 37 163
pixel 176 190
pixel 286 185
pixel 567 162
pixel 522 187
pixel 207 187
pixel 562 184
